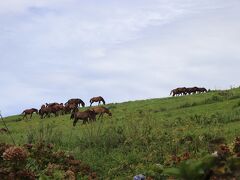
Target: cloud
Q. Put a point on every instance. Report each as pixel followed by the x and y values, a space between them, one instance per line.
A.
pixel 122 50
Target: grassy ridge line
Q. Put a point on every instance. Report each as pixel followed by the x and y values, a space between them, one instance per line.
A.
pixel 141 133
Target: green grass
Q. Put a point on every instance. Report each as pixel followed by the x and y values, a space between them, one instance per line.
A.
pixel 141 134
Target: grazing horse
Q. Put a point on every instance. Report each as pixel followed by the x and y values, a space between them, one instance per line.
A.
pixel 52 104
pixel 178 91
pixel 101 110
pixel 44 110
pixel 192 90
pixel 47 110
pixel 85 116
pixel 202 90
pixel 185 91
pixel 98 99
pixel 69 107
pixel 76 101
pixel 29 111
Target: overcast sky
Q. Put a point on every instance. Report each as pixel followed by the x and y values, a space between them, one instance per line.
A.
pixel 54 50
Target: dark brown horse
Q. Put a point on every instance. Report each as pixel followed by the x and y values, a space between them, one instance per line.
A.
pixel 192 90
pixel 202 90
pixel 76 101
pixel 185 91
pixel 47 110
pixel 84 115
pixel 51 104
pixel 101 110
pixel 29 111
pixel 98 99
pixel 178 91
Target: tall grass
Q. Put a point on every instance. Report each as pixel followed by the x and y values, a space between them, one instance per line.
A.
pixel 140 136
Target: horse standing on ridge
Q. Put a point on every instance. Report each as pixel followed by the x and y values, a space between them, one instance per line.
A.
pixel 98 99
pixel 75 101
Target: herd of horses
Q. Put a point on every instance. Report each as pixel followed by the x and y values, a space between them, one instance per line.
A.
pixel 89 115
pixel 187 91
pixel 72 107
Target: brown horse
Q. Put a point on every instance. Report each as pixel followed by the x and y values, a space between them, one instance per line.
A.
pixel 178 91
pixel 76 101
pixel 47 110
pixel 202 90
pixel 98 99
pixel 192 90
pixel 29 111
pixel 85 116
pixel 51 104
pixel 101 110
pixel 69 108
pixel 44 110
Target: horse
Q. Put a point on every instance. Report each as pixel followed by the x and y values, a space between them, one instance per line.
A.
pixel 44 110
pixel 29 111
pixel 70 107
pixel 101 110
pixel 61 108
pixel 51 104
pixel 179 91
pixel 76 101
pixel 202 90
pixel 98 99
pixel 185 91
pixel 84 115
pixel 192 90
pixel 47 110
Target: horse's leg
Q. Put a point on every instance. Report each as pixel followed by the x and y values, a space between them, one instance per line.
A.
pixel 47 115
pixel 75 121
pixel 31 115
pixel 84 121
pixel 100 115
pixel 24 116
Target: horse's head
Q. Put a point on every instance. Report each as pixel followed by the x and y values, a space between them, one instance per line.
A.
pixel 35 110
pixel 109 113
pixel 83 104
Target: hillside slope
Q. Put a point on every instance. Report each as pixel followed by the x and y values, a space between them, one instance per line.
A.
pixel 140 134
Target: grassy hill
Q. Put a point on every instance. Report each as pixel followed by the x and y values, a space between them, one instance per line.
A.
pixel 141 134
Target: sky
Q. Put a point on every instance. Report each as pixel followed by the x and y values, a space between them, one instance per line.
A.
pixel 54 50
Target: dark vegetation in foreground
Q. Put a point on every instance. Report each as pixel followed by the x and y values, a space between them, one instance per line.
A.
pixel 142 137
pixel 32 161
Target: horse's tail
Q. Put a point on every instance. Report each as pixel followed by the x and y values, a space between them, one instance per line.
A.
pixel 103 101
pixel 23 112
pixel 171 92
